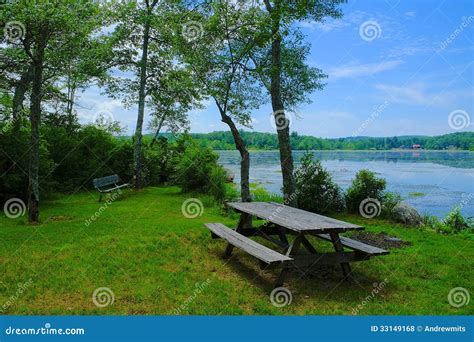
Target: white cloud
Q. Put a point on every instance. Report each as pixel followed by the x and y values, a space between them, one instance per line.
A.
pixel 358 70
pixel 419 94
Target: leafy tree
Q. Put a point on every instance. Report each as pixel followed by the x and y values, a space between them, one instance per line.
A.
pixel 50 35
pixel 142 41
pixel 281 16
pixel 220 59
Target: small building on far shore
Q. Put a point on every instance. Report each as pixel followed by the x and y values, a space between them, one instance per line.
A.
pixel 416 146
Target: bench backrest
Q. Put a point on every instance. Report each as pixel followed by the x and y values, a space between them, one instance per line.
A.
pixel 104 181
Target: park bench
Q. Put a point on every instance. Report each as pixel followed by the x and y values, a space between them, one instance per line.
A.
pixel 280 221
pixel 108 184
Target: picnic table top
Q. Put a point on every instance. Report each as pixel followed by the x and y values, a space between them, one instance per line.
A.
pixel 293 218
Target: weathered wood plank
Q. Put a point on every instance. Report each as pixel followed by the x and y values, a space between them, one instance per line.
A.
pixel 356 245
pixel 293 218
pixel 253 248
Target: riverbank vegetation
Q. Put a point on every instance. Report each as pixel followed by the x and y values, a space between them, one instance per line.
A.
pixel 268 141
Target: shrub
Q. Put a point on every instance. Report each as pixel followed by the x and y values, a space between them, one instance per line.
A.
pixel 390 201
pixel 315 189
pixel 436 224
pixel 197 170
pixel 365 185
pixel 455 221
pixel 14 165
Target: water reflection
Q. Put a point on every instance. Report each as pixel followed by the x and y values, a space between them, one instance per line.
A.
pixel 432 181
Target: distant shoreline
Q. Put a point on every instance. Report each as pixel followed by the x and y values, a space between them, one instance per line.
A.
pixel 394 150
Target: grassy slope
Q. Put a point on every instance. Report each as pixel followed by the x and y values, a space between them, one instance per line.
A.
pixel 152 257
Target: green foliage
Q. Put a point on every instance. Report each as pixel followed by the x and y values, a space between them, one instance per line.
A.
pixel 269 141
pixel 14 164
pixel 455 221
pixel 70 159
pixel 365 185
pixel 436 224
pixel 197 170
pixel 390 200
pixel 315 188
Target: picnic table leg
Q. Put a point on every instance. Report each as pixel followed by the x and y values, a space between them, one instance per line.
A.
pixel 244 219
pixel 308 245
pixel 292 249
pixel 282 235
pixel 336 241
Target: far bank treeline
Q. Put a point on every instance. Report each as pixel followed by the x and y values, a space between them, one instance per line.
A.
pixel 269 141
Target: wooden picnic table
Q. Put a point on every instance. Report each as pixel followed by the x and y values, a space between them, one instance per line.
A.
pixel 281 221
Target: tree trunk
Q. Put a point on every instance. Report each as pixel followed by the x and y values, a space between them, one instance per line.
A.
pixel 35 119
pixel 158 130
pixel 19 97
pixel 282 123
pixel 245 157
pixel 137 152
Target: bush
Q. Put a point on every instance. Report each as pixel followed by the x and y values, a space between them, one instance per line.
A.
pixel 436 224
pixel 315 189
pixel 197 170
pixel 390 201
pixel 14 165
pixel 365 185
pixel 455 221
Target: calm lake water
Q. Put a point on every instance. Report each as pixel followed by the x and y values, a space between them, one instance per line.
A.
pixel 432 181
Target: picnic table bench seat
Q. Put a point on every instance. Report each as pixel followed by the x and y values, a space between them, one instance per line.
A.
pixel 265 254
pixel 356 245
pixel 108 184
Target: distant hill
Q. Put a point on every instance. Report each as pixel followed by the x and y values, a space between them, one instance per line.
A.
pixel 223 140
pixel 269 141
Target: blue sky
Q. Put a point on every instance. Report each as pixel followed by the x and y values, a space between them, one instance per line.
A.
pixel 395 68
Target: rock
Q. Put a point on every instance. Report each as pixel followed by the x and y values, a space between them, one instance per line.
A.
pixel 229 175
pixel 406 214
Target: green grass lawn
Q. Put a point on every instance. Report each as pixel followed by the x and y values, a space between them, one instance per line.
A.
pixel 156 261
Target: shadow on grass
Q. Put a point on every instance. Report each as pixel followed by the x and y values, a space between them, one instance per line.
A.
pixel 321 283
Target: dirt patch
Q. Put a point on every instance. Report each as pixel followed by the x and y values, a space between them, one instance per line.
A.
pixel 381 240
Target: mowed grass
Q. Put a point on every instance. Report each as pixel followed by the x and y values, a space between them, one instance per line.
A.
pixel 156 261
